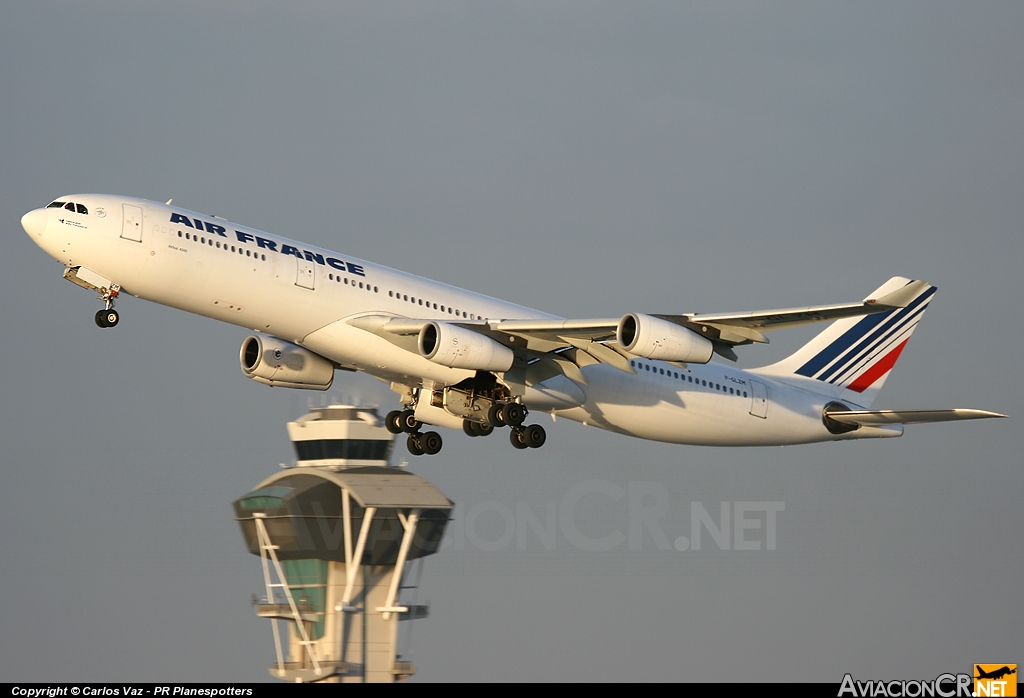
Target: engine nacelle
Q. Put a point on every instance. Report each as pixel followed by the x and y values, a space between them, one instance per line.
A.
pixel 273 362
pixel 457 347
pixel 654 338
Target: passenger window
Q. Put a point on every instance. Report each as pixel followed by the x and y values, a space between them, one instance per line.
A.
pixel 81 209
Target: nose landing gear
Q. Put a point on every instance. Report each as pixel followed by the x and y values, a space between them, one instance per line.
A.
pixel 108 317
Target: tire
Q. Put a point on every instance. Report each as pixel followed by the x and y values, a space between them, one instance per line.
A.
pixel 101 318
pixel 513 414
pixel 431 442
pixel 534 436
pixel 409 423
pixel 516 437
pixel 469 427
pixel 414 445
pixel 111 318
pixel 394 421
pixel 484 429
pixel 494 415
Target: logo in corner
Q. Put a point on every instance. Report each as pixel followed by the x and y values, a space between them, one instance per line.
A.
pixel 995 680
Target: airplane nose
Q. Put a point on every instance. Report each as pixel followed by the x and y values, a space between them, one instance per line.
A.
pixel 34 222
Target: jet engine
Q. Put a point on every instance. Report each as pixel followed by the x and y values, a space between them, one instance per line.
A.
pixel 654 338
pixel 457 347
pixel 273 362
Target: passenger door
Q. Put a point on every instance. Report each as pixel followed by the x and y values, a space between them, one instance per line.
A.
pixel 759 399
pixel 306 274
pixel 131 223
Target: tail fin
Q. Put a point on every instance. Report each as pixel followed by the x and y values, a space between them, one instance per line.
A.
pixel 852 357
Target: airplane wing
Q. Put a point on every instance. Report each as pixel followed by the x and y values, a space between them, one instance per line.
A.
pixel 725 330
pixel 866 418
pixel 565 346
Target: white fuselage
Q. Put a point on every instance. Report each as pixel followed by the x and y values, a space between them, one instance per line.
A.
pixel 305 295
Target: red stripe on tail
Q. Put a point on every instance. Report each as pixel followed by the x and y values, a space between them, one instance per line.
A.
pixel 866 379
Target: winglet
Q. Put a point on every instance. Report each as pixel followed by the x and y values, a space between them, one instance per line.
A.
pixel 901 297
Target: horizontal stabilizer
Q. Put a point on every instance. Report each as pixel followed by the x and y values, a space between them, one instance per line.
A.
pixel 865 418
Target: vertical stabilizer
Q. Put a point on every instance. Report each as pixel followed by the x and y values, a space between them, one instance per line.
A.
pixel 852 357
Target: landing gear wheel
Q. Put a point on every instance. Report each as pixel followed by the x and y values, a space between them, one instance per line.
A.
pixel 409 423
pixel 431 442
pixel 517 438
pixel 414 445
pixel 393 421
pixel 484 429
pixel 534 436
pixel 470 428
pixel 513 414
pixel 107 318
pixel 494 415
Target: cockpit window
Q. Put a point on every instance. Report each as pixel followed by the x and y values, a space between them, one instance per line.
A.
pixel 70 206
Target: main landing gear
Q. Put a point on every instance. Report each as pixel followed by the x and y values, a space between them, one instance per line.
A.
pixel 418 444
pixel 108 317
pixel 510 414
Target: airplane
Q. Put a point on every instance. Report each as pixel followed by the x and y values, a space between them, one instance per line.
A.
pixel 994 674
pixel 462 360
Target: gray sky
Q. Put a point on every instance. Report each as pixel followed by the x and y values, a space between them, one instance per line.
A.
pixel 584 159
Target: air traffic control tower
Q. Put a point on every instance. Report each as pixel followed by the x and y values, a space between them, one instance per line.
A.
pixel 335 535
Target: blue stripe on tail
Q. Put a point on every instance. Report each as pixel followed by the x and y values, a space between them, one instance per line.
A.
pixel 865 326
